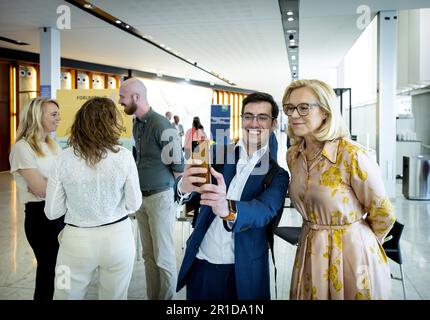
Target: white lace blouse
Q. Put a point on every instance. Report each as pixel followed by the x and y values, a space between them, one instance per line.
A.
pixel 93 196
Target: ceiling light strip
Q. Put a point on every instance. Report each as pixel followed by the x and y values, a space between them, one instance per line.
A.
pixel 18 42
pixel 290 22
pixel 103 15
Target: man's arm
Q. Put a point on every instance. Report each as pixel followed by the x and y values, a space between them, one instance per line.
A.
pixel 171 150
pixel 215 195
pixel 261 210
pixel 184 184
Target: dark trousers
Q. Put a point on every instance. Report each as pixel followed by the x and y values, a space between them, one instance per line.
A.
pixel 207 281
pixel 42 234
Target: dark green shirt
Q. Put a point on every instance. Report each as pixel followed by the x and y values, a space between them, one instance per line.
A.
pixel 159 152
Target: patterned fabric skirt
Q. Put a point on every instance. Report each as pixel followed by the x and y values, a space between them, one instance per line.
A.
pixel 345 262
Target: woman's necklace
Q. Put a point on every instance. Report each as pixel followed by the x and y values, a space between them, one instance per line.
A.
pixel 316 154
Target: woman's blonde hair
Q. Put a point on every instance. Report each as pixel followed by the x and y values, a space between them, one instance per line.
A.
pixel 96 129
pixel 333 127
pixel 30 126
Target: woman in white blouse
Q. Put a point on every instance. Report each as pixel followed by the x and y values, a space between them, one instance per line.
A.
pixel 31 159
pixel 95 184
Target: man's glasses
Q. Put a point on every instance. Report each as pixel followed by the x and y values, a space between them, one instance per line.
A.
pixel 303 109
pixel 261 118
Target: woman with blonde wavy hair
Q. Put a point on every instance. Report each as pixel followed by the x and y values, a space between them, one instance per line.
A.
pixel 338 189
pixel 95 184
pixel 31 159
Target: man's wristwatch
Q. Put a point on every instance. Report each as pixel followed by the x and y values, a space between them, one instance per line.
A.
pixel 232 211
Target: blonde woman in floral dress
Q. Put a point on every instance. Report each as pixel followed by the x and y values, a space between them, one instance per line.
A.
pixel 337 188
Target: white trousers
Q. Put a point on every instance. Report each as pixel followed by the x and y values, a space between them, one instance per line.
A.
pixel 109 249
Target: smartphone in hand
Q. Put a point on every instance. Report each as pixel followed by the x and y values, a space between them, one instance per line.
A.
pixel 201 151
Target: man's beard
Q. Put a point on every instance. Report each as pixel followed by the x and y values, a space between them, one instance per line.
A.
pixel 130 109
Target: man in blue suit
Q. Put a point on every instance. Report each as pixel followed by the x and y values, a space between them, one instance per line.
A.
pixel 227 255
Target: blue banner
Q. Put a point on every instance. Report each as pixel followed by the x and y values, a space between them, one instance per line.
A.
pixel 220 120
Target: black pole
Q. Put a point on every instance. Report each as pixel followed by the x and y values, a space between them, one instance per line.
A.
pixel 341 101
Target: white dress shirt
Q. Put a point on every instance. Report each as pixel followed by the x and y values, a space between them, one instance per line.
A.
pixel 89 196
pixel 217 246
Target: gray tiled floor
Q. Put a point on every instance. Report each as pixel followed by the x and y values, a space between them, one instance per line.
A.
pixel 17 263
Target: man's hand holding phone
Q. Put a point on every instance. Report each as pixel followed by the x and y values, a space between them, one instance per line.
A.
pixel 192 178
pixel 215 195
pixel 212 195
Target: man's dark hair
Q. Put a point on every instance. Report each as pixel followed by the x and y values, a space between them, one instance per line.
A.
pixel 261 97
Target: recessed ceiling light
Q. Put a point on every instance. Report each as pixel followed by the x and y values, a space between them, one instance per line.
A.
pixel 293 57
pixel 88 6
pixel 290 19
pixel 118 21
pixel 294 68
pixel 291 31
pixel 289 13
pixel 127 26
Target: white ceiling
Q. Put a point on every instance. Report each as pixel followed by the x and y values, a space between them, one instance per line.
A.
pixel 242 40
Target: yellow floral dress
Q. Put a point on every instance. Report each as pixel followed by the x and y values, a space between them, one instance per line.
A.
pixel 346 214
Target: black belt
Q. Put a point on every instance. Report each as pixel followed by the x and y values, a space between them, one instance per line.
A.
pixel 148 193
pixel 102 225
pixel 214 266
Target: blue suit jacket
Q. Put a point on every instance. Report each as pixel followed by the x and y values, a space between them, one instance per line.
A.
pixel 256 208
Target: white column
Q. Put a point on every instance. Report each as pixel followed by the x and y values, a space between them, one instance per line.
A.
pixel 50 62
pixel 341 74
pixel 386 90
